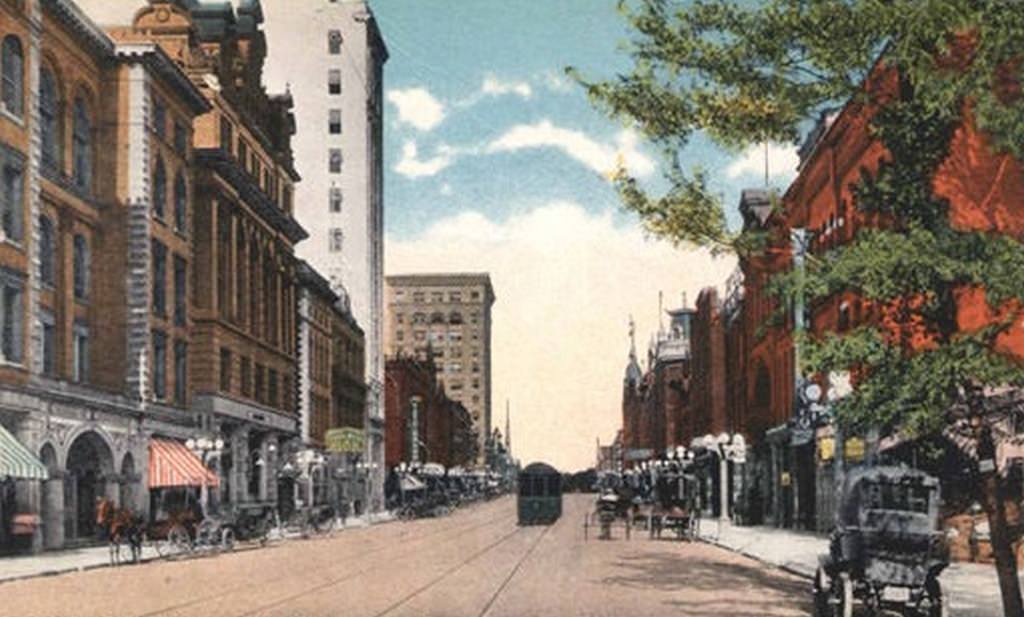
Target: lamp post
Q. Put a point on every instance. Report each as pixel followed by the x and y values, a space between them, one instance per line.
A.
pixel 206 449
pixel 731 448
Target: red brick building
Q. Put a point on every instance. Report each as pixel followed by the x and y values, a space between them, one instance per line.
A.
pixel 422 423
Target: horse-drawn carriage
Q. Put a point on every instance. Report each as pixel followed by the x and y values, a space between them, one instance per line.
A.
pixel 886 551
pixel 675 505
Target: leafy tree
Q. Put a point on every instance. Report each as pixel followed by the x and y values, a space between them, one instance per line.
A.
pixel 743 73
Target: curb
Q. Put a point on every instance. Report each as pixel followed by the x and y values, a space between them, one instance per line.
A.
pixel 784 567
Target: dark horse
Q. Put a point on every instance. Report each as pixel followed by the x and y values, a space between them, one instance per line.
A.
pixel 120 525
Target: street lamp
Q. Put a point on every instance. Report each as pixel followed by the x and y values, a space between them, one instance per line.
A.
pixel 206 449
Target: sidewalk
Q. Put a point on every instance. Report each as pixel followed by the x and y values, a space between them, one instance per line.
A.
pixel 972 588
pixel 77 560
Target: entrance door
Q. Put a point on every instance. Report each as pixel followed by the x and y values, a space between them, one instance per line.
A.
pixel 89 463
pixel 806 489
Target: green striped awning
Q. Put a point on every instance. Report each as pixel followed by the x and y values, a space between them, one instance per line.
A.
pixel 17 462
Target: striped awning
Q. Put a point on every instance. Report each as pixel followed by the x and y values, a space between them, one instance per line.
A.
pixel 172 464
pixel 17 462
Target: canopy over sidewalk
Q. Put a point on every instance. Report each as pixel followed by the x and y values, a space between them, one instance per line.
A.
pixel 172 464
pixel 17 462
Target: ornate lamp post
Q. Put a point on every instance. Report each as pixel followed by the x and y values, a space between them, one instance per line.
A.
pixel 731 448
pixel 206 449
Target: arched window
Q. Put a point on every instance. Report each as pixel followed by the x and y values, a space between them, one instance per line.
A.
pixel 13 75
pixel 46 251
pixel 50 119
pixel 180 203
pixel 159 188
pixel 81 267
pixel 81 145
pixel 455 318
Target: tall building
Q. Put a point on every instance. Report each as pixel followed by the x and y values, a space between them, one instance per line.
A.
pixel 448 318
pixel 339 152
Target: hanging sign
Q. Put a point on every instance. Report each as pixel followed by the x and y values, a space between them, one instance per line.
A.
pixel 345 439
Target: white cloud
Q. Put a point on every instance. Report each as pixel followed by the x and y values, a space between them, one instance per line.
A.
pixel 556 82
pixel 417 107
pixel 411 166
pixel 782 162
pixel 495 87
pixel 566 282
pixel 602 158
pixel 446 189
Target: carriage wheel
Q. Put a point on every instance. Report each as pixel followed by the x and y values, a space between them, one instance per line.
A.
pixel 178 540
pixel 227 539
pixel 842 588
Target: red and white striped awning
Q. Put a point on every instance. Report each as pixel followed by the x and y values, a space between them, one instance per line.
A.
pixel 172 464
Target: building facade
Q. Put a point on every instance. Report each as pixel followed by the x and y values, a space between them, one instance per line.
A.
pixel 447 318
pixel 340 149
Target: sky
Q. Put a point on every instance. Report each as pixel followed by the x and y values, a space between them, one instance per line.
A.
pixel 496 162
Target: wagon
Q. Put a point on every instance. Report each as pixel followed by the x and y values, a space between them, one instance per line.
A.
pixel 886 551
pixel 676 505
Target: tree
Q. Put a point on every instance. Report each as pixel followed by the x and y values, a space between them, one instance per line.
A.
pixel 745 73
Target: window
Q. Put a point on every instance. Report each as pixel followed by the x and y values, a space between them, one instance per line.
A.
pixel 180 291
pixel 333 81
pixel 400 335
pixel 49 120
pixel 81 146
pixel 335 199
pixel 80 267
pixel 272 388
pixel 13 198
pixel 455 297
pixel 243 153
pixel 48 351
pixel 159 188
pixel 11 316
pixel 180 139
pixel 437 296
pixel 80 349
pixel 227 135
pixel 335 240
pixel 419 318
pixel 334 42
pixel 475 295
pixel 399 318
pixel 246 369
pixel 159 117
pixel 47 257
pixel 159 365
pixel 334 161
pixel 260 374
pixel 419 297
pixel 180 203
pixel 225 369
pixel 286 198
pixel 13 75
pixel 455 318
pixel 334 121
pixel 254 165
pixel 180 371
pixel 159 279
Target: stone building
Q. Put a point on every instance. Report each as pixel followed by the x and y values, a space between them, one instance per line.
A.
pixel 447 317
pixel 340 149
pixel 97 250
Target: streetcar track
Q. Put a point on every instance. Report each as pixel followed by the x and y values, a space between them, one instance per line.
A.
pixel 452 570
pixel 322 586
pixel 384 545
pixel 512 574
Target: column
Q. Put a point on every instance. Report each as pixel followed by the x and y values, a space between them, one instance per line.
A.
pixel 53 510
pixel 270 455
pixel 240 465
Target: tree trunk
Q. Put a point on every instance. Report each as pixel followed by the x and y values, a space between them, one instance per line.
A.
pixel 995 508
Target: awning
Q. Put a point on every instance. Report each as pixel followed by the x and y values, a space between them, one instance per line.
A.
pixel 411 483
pixel 172 464
pixel 17 462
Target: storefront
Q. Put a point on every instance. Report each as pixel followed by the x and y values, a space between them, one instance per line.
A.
pixel 19 522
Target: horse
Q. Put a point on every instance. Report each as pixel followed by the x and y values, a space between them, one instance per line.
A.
pixel 119 525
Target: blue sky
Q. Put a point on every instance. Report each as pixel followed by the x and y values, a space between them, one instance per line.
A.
pixel 449 49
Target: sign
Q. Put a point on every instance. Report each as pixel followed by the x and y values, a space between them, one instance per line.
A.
pixel 639 454
pixel 345 439
pixel 784 479
pixel 801 436
pixel 854 449
pixel 826 449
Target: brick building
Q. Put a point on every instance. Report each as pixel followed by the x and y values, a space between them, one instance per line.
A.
pixel 708 375
pixel 448 318
pixel 656 404
pixel 96 254
pixel 423 424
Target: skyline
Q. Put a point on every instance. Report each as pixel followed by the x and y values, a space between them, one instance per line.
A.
pixel 495 161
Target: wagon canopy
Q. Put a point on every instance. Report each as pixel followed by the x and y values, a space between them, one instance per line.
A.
pixel 885 497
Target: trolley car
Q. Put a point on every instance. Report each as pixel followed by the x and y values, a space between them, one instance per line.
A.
pixel 540 495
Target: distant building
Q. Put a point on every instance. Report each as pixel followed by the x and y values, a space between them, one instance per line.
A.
pixel 446 318
pixel 339 151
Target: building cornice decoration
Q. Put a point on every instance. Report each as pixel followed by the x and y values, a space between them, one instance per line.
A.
pixel 218 161
pixel 71 16
pixel 164 67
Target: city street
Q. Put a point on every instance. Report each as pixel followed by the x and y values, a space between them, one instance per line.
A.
pixel 475 562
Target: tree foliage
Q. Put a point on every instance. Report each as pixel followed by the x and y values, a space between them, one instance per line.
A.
pixel 746 72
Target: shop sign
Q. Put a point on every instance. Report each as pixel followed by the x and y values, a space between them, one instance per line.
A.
pixel 345 440
pixel 854 450
pixel 784 479
pixel 826 449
